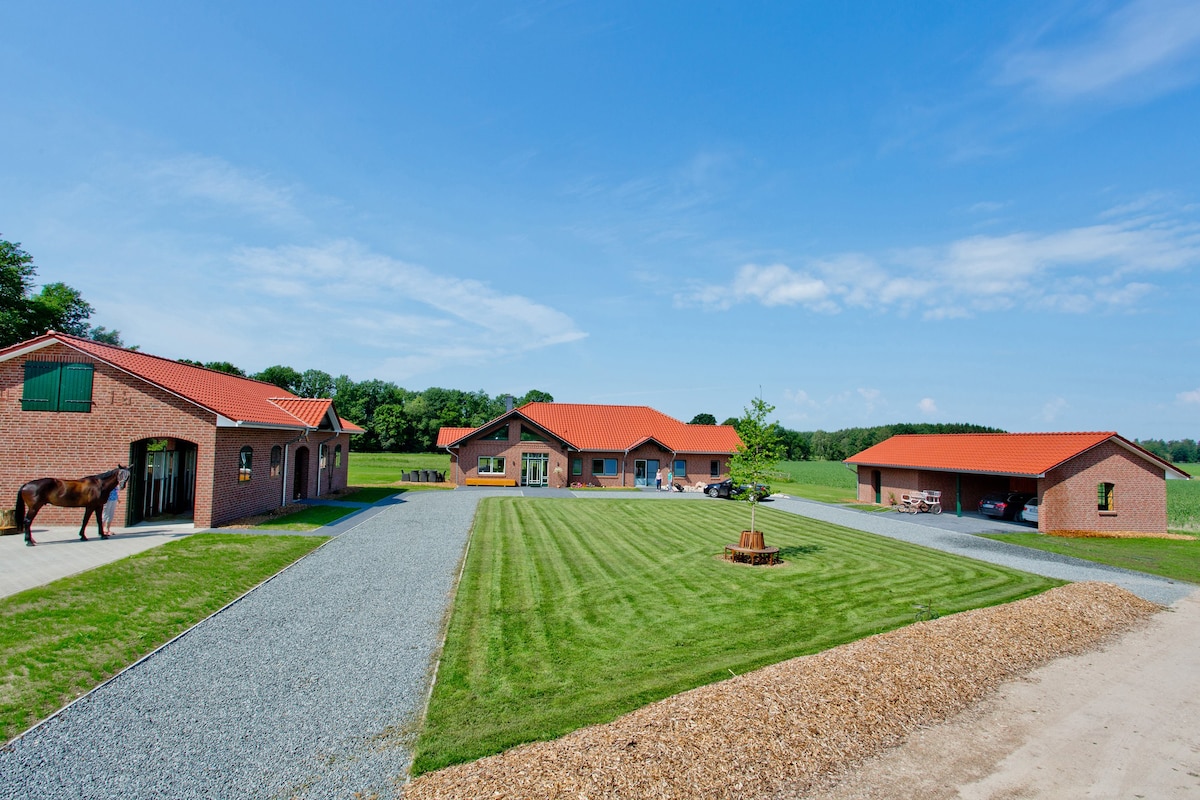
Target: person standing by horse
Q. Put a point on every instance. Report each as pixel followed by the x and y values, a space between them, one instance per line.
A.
pixel 110 509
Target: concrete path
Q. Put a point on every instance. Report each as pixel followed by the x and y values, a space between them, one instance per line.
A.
pixel 60 552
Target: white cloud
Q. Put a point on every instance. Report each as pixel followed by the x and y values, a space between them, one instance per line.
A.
pixel 1141 49
pixel 1053 409
pixel 927 406
pixel 1192 397
pixel 219 183
pixel 383 292
pixel 1076 270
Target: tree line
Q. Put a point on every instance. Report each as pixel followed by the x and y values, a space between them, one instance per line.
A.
pixel 839 445
pixel 25 314
pixel 1177 451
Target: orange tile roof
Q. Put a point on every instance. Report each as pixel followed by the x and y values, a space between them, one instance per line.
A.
pixel 607 428
pixel 242 400
pixel 1029 454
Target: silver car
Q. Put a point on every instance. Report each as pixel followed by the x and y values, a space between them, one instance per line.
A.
pixel 1030 512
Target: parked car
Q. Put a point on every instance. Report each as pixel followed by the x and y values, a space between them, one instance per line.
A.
pixel 1030 512
pixel 726 488
pixel 1005 505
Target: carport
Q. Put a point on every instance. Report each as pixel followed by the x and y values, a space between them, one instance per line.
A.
pixel 1094 481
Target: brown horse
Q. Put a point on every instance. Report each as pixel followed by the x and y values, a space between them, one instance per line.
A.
pixel 90 493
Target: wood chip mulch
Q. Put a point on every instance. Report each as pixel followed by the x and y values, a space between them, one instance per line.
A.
pixel 798 722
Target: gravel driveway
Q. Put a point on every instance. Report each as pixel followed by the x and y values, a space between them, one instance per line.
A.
pixel 305 688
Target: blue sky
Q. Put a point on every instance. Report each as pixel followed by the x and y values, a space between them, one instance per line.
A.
pixel 869 212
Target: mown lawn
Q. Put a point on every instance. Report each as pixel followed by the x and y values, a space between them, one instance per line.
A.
pixel 306 519
pixel 573 612
pixel 385 469
pixel 60 640
pixel 1171 558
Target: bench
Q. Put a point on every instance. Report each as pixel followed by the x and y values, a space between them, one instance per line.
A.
pixel 755 555
pixel 491 482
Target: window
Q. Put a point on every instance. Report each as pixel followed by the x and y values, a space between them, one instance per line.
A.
pixel 1104 497
pixel 491 465
pixel 530 436
pixel 576 466
pixel 604 466
pixel 714 469
pixel 337 456
pixel 276 461
pixel 321 456
pixel 498 435
pixel 680 468
pixel 57 386
pixel 244 459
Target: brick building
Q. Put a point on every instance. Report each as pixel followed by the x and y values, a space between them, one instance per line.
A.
pixel 559 444
pixel 200 443
pixel 1086 481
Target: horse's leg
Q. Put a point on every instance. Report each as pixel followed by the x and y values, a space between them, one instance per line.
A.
pixel 33 510
pixel 86 516
pixel 99 512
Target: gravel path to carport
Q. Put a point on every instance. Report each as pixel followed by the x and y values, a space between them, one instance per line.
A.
pixel 957 535
pixel 307 687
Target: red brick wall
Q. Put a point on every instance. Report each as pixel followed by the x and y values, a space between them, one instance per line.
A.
pixel 1069 499
pixel 125 410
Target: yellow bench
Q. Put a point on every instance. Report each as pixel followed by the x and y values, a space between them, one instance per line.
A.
pixel 491 482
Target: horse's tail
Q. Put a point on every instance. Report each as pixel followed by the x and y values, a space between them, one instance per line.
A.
pixel 20 511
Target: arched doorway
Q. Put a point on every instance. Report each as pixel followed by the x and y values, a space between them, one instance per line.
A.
pixel 300 473
pixel 163 483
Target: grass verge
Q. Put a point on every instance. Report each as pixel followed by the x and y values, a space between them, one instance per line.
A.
pixel 572 612
pixel 60 640
pixel 308 519
pixel 1171 558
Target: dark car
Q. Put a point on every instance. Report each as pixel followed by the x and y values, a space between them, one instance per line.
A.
pixel 726 488
pixel 1005 505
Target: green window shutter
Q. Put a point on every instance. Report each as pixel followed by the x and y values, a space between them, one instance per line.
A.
pixel 40 392
pixel 75 388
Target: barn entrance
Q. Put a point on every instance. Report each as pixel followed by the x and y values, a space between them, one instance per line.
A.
pixel 300 475
pixel 163 483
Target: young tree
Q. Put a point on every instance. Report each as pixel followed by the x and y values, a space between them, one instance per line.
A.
pixel 758 453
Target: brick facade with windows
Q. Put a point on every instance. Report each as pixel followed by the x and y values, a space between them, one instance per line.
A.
pixel 196 420
pixel 627 439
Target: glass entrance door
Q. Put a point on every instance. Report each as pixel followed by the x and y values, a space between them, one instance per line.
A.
pixel 534 467
pixel 644 470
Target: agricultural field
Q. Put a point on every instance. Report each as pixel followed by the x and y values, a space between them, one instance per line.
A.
pixel 385 469
pixel 826 481
pixel 573 612
pixel 1183 502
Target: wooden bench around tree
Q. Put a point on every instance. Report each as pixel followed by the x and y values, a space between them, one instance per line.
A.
pixel 752 555
pixel 491 482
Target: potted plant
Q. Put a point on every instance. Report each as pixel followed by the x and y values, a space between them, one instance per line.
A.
pixel 751 465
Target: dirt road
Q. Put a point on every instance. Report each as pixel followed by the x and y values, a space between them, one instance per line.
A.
pixel 1121 722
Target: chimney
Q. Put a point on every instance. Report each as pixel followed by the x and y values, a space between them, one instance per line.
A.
pixel 508 402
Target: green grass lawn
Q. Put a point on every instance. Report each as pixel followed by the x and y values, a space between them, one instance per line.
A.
pixel 307 519
pixel 573 612
pixel 60 640
pixel 384 469
pixel 1171 558
pixel 371 494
